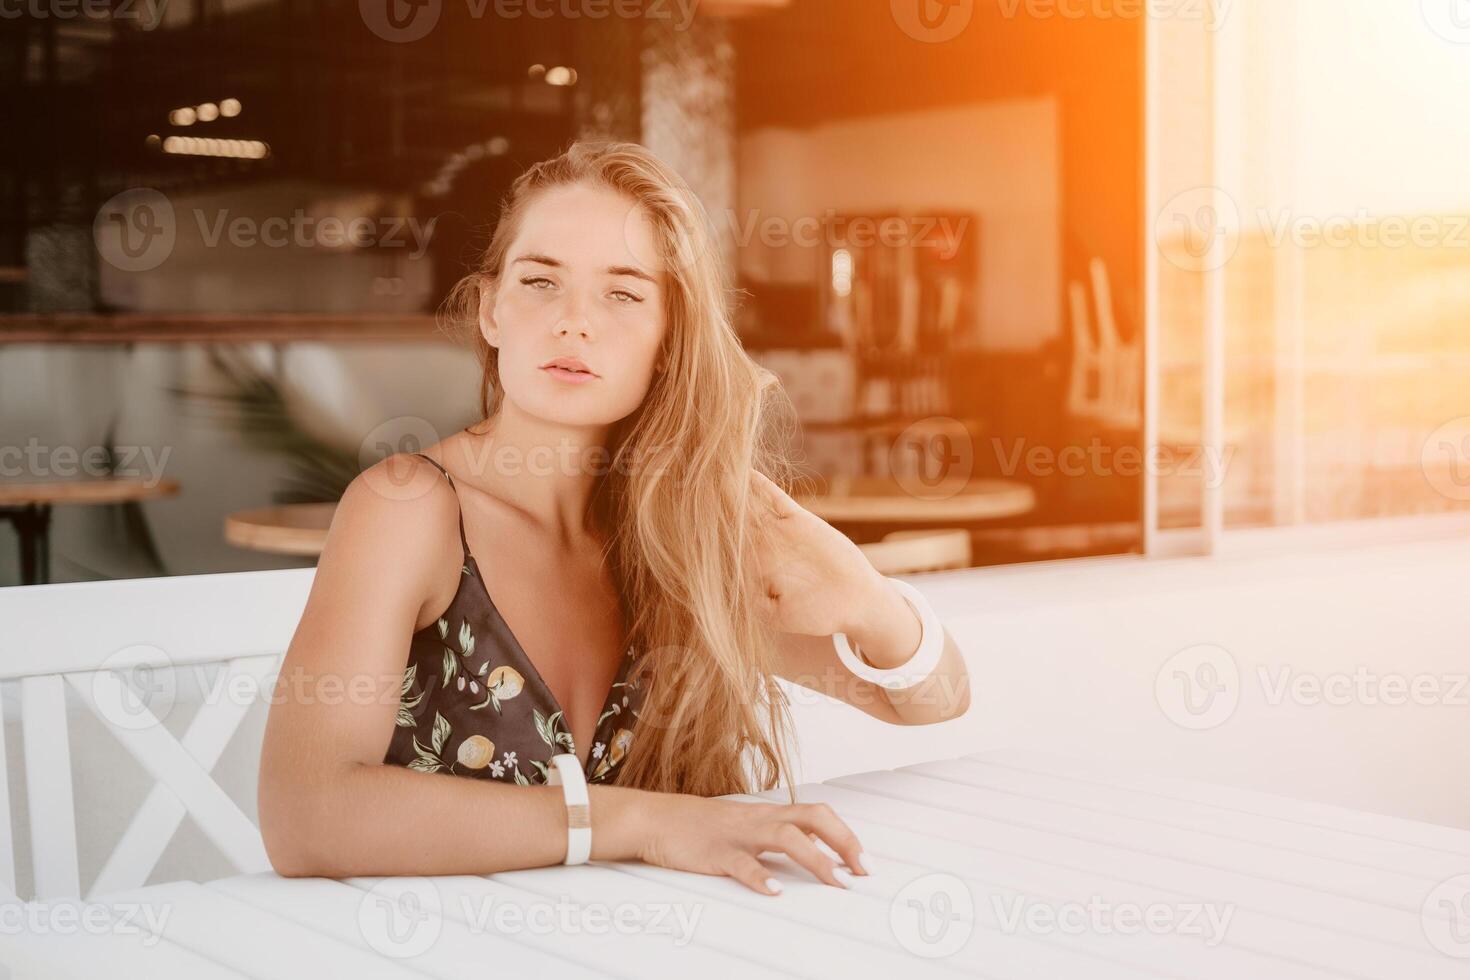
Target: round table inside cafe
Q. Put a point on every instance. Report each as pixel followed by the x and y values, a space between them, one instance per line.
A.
pixel 27 505
pixel 301 529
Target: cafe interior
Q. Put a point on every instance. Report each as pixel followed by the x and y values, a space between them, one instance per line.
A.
pixel 902 237
pixel 1141 340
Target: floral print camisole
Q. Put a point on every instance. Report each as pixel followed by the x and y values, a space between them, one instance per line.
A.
pixel 473 704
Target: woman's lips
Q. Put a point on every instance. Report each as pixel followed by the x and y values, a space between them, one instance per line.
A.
pixel 570 377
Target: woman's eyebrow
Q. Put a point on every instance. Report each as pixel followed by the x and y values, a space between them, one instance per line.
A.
pixel 613 270
pixel 628 270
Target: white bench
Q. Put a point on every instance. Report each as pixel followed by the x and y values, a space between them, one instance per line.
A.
pixel 95 643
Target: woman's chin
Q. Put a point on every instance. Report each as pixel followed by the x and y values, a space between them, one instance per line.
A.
pixel 572 409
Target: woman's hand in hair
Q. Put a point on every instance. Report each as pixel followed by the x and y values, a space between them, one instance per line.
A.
pixel 813 578
pixel 726 837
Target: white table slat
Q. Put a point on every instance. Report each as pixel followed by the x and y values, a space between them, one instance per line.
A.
pixel 80 954
pixel 1142 951
pixel 333 908
pixel 994 870
pixel 1311 893
pixel 1291 902
pixel 637 954
pixel 780 944
pixel 862 914
pixel 1336 845
pixel 1372 825
pixel 1259 860
pixel 256 942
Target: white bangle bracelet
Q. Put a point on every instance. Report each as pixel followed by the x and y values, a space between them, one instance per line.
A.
pixel 566 772
pixel 917 668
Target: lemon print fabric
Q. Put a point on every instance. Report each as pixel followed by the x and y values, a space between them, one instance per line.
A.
pixel 472 703
pixel 475 752
pixel 621 739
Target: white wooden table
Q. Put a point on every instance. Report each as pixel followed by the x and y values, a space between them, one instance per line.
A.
pixel 999 865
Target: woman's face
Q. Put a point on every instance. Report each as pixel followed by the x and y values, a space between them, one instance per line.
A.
pixel 578 283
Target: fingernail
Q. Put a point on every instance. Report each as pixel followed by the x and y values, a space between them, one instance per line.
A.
pixel 862 863
pixel 773 885
pixel 843 876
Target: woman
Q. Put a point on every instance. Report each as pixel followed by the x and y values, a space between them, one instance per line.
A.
pixel 649 582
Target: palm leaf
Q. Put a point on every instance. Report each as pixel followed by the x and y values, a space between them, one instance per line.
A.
pixel 254 404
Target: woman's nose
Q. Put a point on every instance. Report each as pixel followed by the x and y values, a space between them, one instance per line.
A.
pixel 573 317
pixel 573 324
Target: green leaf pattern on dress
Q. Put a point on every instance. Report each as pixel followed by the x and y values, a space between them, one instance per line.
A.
pixel 502 684
pixel 406 704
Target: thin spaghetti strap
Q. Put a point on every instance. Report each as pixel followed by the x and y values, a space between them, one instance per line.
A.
pixel 463 541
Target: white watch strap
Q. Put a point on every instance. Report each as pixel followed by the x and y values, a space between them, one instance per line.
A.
pixel 566 772
pixel 912 672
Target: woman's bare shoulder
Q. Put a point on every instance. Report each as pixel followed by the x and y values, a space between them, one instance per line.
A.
pixel 399 492
pixel 394 530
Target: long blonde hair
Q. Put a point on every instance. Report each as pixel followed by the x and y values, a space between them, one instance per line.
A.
pixel 676 503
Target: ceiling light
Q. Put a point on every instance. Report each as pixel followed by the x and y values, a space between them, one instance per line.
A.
pixel 195 146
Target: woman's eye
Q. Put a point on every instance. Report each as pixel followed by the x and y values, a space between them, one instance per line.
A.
pixel 626 297
pixel 535 281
